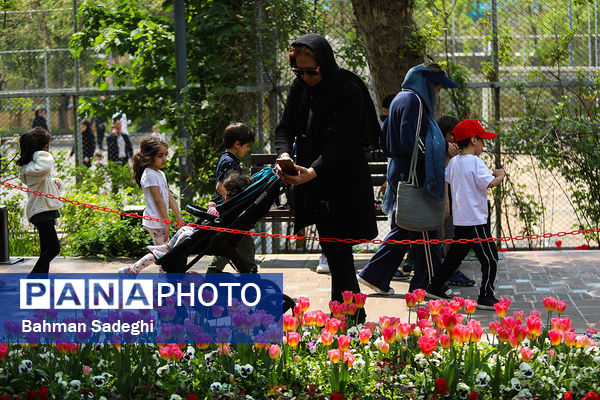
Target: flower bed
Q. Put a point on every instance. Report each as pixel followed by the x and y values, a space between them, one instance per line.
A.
pixel 444 354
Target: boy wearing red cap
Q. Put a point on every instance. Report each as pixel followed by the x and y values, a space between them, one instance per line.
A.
pixel 470 178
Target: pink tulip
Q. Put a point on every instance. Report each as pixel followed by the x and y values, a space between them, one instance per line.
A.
pixel 555 336
pixel 389 334
pixel 549 303
pixel 570 338
pixel 304 303
pixel 344 342
pixel 470 306
pixel 420 295
pixel 334 355
pixel 348 296
pixel 411 299
pixel 293 339
pixel 360 299
pixel 274 351
pixel 526 354
pixel 422 313
pixel 364 335
pixel 445 341
pixel 561 306
pixel 326 338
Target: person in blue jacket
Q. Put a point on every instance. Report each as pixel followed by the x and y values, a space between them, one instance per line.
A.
pixel 421 86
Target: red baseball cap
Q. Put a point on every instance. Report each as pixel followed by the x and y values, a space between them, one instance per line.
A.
pixel 471 127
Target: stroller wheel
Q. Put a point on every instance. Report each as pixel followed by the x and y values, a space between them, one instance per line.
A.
pixel 288 303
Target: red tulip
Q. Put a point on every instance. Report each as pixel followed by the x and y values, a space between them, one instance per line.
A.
pixel 445 341
pixel 473 396
pixel 435 306
pixel 568 396
pixel 441 387
pixel 534 324
pixel 570 338
pixel 427 344
pixel 403 330
pixel 290 323
pixel 422 313
pixel 43 393
pixel 561 306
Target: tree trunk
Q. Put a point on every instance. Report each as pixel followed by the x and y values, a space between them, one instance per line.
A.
pixel 391 40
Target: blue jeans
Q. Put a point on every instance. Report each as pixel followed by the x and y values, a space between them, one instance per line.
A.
pixel 380 269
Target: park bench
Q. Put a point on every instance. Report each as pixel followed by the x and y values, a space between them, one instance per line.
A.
pixel 283 213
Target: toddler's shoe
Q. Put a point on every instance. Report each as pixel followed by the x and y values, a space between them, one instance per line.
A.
pixel 323 267
pixel 158 251
pixel 126 270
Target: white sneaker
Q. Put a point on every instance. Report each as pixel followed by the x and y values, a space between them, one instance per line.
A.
pixel 323 267
pixel 389 292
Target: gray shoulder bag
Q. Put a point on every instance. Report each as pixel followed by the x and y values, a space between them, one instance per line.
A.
pixel 414 211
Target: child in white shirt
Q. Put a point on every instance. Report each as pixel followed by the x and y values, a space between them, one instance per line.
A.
pixel 470 178
pixel 147 164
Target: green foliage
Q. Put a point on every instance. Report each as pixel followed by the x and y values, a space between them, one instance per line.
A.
pixel 564 138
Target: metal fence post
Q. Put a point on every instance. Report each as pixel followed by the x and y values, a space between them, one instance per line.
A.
pixel 496 105
pixel 4 245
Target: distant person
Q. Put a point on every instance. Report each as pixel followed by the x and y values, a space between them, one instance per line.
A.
pixel 118 145
pixel 35 171
pixel 100 123
pixel 88 143
pixel 40 120
pixel 147 165
pixel 470 178
pixel 237 139
pixel 3 151
pixel 156 131
pixel 122 118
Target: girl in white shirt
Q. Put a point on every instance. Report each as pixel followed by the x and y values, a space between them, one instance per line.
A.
pixel 35 167
pixel 147 165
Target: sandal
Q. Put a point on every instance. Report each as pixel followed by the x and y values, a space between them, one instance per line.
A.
pixel 460 279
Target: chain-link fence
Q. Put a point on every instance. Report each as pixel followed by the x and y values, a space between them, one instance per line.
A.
pixel 506 54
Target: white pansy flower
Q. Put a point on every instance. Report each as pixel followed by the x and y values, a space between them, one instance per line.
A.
pixel 175 397
pixel 482 378
pixel 98 380
pixel 524 394
pixel 516 384
pixel 216 387
pixel 525 370
pixel 463 390
pixel 359 364
pixel 162 370
pixel 75 384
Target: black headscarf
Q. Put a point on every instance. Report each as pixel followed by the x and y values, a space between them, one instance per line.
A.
pixel 322 49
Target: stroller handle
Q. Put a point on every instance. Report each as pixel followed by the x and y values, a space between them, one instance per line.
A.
pixel 199 212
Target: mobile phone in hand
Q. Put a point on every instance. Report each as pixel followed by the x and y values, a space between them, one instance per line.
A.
pixel 287 166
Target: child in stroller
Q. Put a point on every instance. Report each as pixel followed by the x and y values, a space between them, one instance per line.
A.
pixel 233 185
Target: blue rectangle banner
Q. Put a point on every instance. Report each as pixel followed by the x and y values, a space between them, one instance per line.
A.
pixel 142 308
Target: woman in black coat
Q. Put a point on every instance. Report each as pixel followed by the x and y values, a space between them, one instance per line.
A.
pixel 88 143
pixel 324 115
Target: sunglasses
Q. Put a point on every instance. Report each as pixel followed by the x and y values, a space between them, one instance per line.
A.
pixel 308 71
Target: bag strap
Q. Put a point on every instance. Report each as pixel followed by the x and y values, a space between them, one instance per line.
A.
pixel 412 175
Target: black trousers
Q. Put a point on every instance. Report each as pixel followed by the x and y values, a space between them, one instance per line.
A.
pixel 49 246
pixel 486 252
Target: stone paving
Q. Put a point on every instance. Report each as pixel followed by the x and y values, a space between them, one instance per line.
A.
pixel 525 277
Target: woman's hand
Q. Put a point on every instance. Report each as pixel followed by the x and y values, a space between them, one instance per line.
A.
pixel 304 175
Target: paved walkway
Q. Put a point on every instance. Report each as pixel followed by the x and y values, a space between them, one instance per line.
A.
pixel 525 277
